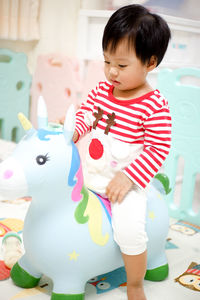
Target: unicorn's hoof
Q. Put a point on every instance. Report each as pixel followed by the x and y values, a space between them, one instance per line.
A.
pixel 157 274
pixel 55 296
pixel 23 279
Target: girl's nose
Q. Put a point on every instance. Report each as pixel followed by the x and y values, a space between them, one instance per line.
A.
pixel 113 71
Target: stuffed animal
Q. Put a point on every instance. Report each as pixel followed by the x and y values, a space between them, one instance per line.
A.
pixel 11 248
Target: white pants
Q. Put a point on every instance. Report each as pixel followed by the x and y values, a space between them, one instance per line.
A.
pixel 128 217
pixel 128 222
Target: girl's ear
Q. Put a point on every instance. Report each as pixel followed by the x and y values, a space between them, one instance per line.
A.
pixel 152 64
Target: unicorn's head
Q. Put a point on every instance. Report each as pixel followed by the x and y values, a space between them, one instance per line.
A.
pixel 42 161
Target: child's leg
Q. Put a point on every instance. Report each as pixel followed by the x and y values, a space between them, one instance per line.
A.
pixel 128 221
pixel 135 266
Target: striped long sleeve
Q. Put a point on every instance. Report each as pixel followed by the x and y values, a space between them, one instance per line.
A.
pixel 157 142
pixel 88 106
pixel 143 121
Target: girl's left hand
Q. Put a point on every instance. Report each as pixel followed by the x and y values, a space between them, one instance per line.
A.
pixel 118 187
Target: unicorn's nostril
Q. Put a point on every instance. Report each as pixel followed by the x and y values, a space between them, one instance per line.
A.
pixel 7 174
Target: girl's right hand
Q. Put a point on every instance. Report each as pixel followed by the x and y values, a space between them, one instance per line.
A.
pixel 75 136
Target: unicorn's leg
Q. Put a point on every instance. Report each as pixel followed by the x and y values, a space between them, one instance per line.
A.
pixel 62 290
pixel 55 296
pixel 158 268
pixel 157 274
pixel 24 274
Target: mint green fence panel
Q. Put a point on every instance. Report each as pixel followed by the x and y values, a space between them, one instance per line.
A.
pixel 184 101
pixel 14 93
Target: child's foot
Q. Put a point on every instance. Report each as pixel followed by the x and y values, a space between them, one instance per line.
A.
pixel 136 293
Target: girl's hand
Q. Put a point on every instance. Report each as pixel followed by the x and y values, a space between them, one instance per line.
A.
pixel 118 187
pixel 75 136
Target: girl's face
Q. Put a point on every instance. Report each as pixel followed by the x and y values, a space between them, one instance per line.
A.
pixel 126 72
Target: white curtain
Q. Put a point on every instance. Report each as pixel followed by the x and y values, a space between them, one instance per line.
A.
pixel 19 19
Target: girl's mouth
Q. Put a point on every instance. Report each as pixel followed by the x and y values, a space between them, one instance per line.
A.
pixel 115 82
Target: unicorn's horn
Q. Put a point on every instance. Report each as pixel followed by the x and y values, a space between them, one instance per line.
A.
pixel 26 124
pixel 42 113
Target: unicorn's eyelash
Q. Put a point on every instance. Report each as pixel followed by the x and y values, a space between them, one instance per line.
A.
pixel 47 156
pixel 42 159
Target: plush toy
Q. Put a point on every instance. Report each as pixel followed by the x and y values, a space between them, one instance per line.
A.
pixel 67 230
pixel 11 248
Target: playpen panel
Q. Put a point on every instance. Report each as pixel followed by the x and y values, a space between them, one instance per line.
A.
pixel 56 78
pixel 184 101
pixel 14 93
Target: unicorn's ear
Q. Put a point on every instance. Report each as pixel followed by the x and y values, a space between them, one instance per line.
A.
pixel 42 115
pixel 69 124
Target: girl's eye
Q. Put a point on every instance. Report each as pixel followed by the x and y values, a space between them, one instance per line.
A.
pixel 107 62
pixel 122 66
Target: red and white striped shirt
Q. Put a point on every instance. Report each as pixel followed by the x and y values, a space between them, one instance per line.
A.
pixel 145 121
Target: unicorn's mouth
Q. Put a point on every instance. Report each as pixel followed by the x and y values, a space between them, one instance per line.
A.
pixel 13 183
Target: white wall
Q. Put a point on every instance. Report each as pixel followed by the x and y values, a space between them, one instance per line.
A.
pixel 58 31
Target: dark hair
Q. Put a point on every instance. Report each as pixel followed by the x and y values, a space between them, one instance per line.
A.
pixel 146 32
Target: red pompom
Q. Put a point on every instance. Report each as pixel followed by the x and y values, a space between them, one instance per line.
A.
pixel 96 149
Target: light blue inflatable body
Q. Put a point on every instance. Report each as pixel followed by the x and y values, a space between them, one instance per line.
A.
pixel 67 231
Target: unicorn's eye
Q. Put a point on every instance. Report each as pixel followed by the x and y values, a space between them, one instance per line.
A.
pixel 42 159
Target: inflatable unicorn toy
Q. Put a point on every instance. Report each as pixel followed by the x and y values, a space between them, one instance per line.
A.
pixel 67 230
